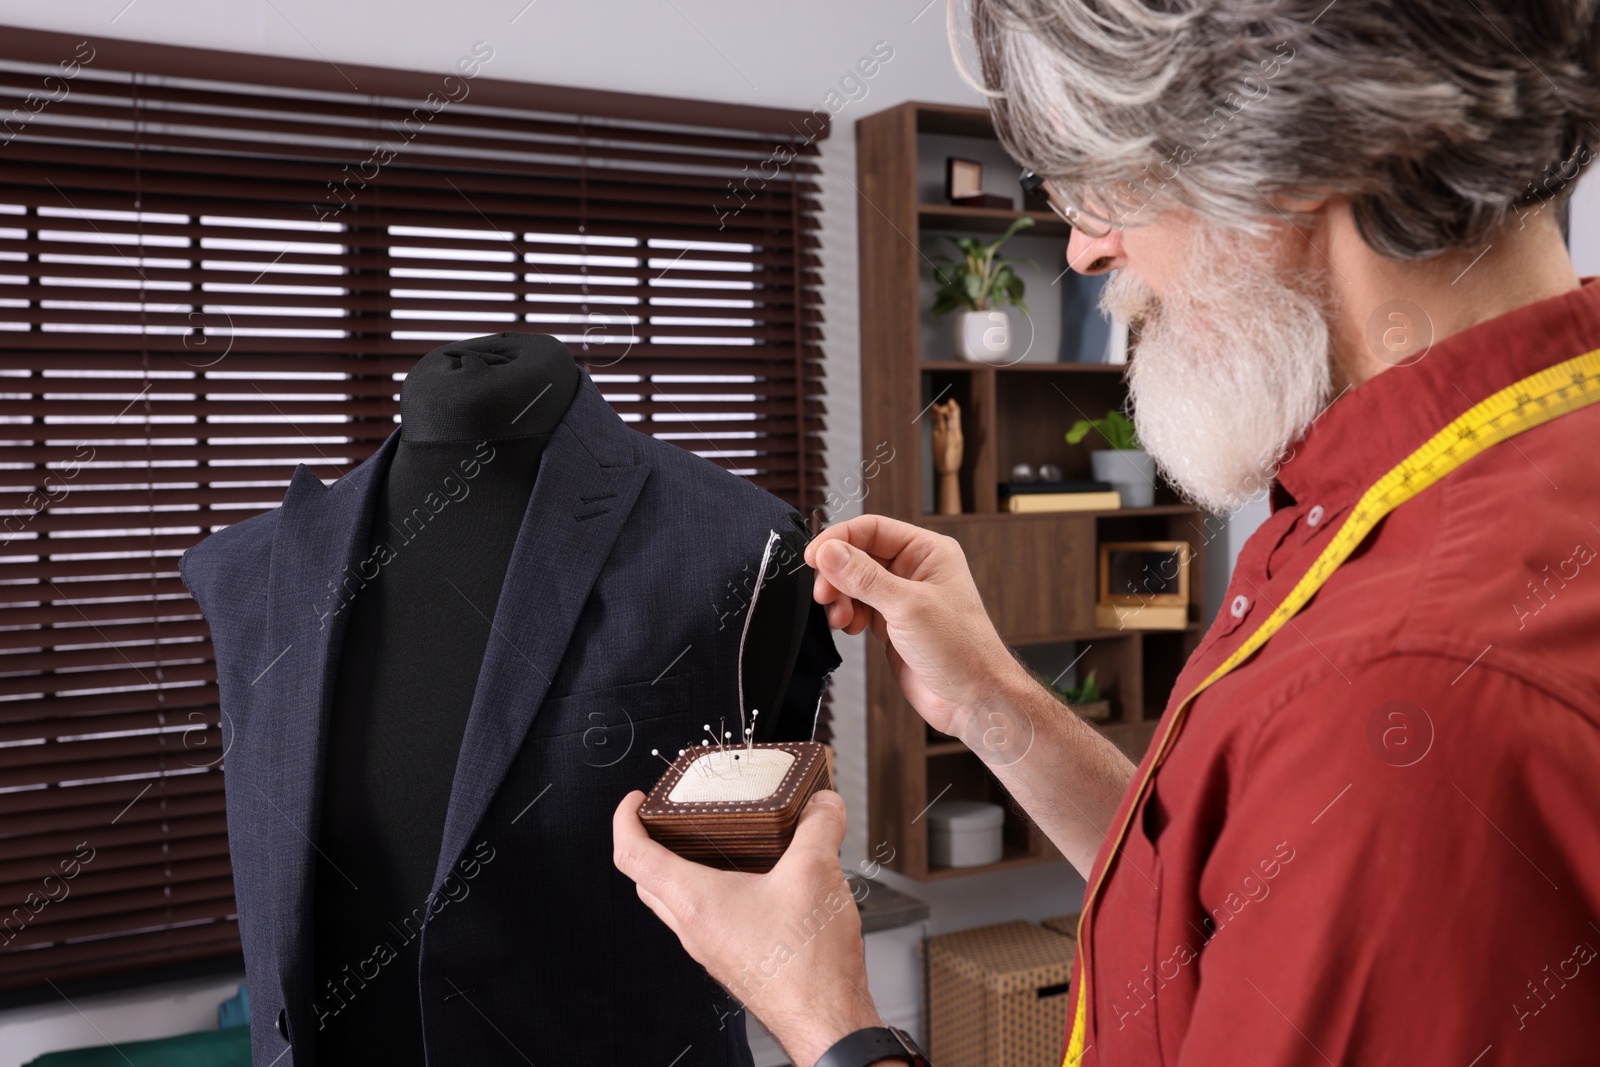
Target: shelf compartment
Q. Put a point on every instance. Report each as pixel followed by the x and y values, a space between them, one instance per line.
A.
pixel 1010 859
pixel 952 120
pixel 1034 577
pixel 974 392
pixel 989 219
pixel 1154 511
pixel 1037 416
pixel 963 776
pixel 1036 365
pixel 1166 651
pixel 1119 671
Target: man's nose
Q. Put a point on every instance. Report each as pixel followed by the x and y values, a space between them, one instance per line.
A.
pixel 1096 255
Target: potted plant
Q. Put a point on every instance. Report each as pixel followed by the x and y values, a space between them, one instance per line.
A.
pixel 1124 462
pixel 978 285
pixel 1084 698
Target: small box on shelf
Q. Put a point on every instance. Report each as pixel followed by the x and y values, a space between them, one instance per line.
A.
pixel 1144 585
pixel 965 833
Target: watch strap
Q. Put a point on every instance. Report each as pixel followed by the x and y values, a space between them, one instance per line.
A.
pixel 868 1046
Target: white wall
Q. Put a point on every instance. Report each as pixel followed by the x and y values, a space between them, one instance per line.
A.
pixel 749 51
pixel 113 1018
pixel 1583 226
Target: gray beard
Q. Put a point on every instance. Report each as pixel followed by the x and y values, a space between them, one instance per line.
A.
pixel 1231 368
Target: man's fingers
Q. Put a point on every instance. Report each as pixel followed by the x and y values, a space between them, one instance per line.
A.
pixel 877 535
pixel 658 871
pixel 820 832
pixel 855 574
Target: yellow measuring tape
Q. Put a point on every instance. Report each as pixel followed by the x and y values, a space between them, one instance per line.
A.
pixel 1531 402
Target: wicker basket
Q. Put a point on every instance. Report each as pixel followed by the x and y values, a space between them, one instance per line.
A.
pixel 998 996
pixel 1063 924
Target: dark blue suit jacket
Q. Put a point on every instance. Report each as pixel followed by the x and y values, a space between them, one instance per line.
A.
pixel 534 948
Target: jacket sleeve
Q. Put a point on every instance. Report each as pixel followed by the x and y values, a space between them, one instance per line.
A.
pixel 1435 878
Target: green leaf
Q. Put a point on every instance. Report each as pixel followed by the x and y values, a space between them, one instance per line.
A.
pixel 1115 429
pixel 1021 223
pixel 1120 432
pixel 1086 692
pixel 972 286
pixel 979 280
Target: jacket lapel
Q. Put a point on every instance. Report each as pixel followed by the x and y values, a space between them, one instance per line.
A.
pixel 322 537
pixel 587 483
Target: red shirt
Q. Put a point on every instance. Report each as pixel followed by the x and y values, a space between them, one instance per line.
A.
pixel 1378 840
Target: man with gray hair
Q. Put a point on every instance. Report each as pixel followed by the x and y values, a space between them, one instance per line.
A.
pixel 1366 829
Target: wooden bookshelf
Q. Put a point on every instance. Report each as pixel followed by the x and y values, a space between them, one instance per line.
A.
pixel 988 219
pixel 1036 572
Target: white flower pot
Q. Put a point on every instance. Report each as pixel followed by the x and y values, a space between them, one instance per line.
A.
pixel 1131 472
pixel 983 336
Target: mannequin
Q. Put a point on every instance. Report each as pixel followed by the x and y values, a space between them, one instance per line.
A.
pixel 419 800
pixel 475 419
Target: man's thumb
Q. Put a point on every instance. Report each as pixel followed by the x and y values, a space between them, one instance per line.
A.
pixel 858 575
pixel 821 827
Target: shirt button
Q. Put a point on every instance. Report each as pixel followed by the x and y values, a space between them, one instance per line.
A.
pixel 283 1024
pixel 1314 516
pixel 1241 604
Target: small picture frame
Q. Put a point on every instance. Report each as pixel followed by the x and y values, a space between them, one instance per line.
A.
pixel 962 178
pixel 1144 585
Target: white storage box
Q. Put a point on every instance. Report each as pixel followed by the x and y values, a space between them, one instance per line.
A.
pixel 964 833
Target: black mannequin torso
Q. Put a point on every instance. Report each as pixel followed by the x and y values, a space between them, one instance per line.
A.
pixel 475 417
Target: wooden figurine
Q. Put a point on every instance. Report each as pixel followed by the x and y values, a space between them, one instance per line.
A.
pixel 947 451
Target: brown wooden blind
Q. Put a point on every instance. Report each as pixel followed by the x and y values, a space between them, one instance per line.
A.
pixel 212 270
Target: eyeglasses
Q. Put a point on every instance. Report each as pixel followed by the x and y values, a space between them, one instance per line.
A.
pixel 1070 213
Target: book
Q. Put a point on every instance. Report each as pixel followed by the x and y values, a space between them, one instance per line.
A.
pixel 1031 503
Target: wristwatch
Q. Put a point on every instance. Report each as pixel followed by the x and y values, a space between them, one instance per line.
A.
pixel 871 1045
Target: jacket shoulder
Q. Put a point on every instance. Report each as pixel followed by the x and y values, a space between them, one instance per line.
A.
pixel 702 483
pixel 235 558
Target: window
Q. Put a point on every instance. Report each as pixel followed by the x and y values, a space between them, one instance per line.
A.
pixel 204 282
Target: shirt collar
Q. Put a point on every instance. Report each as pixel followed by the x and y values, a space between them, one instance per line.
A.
pixel 1370 429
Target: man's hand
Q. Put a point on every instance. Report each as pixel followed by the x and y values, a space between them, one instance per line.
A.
pixel 786 943
pixel 913 588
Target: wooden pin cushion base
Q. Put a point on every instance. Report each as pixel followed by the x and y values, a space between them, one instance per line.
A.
pixel 736 808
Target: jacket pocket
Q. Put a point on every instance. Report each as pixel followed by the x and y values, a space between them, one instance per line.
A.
pixel 604 718
pixel 586 750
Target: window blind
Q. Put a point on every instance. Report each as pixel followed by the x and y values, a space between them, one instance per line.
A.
pixel 214 267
